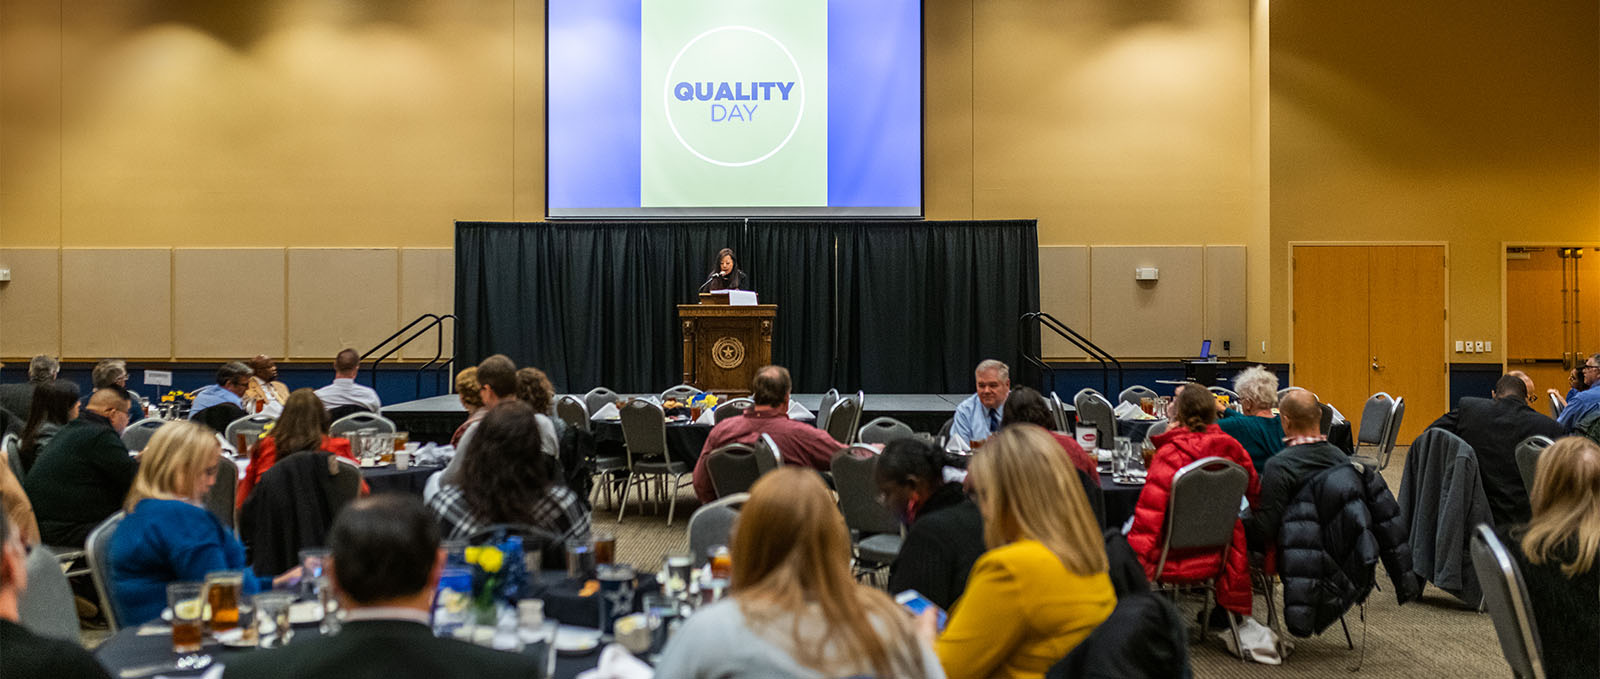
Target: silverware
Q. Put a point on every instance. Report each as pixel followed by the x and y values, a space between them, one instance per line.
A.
pixel 188 663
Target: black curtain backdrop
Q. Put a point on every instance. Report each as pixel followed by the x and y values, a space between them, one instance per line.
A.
pixel 883 306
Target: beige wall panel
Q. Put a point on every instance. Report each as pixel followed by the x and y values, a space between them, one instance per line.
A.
pixel 30 305
pixel 427 286
pixel 341 297
pixel 1147 319
pixel 1064 293
pixel 228 303
pixel 1226 299
pixel 116 303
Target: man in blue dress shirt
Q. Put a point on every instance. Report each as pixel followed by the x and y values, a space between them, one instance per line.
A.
pixel 979 416
pixel 1581 403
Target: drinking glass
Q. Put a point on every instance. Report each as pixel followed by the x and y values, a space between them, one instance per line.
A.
pixel 661 614
pixel 272 618
pixel 721 563
pixel 616 594
pixel 184 600
pixel 605 547
pixel 223 591
pixel 580 559
pixel 329 606
pixel 313 561
pixel 679 571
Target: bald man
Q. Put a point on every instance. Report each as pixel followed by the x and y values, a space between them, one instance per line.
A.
pixel 1493 427
pixel 82 475
pixel 1307 454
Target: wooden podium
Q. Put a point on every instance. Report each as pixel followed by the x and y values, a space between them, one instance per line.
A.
pixel 724 344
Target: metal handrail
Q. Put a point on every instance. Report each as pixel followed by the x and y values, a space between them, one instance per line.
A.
pixel 1045 320
pixel 434 322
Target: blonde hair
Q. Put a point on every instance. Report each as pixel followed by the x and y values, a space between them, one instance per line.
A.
pixel 1028 491
pixel 791 550
pixel 1566 506
pixel 467 388
pixel 169 466
pixel 1257 387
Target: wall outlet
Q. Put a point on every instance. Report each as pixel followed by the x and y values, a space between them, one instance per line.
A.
pixel 5 275
pixel 1488 346
pixel 1479 348
pixel 1460 346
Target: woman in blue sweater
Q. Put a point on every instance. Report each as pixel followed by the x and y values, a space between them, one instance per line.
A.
pixel 168 535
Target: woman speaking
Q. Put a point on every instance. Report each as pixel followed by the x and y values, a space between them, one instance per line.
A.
pixel 727 276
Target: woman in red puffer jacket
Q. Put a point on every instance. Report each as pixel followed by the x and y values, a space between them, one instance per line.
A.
pixel 1194 435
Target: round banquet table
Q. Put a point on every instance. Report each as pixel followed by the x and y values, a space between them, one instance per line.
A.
pixel 1120 498
pixel 387 479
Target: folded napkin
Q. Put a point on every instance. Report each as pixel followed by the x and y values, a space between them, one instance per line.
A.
pixel 707 417
pixel 431 454
pixel 799 412
pixel 617 663
pixel 606 412
pixel 1128 411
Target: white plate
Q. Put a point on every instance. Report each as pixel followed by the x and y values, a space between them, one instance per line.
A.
pixel 305 612
pixel 571 639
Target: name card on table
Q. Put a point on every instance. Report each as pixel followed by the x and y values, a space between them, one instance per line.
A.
pixel 158 377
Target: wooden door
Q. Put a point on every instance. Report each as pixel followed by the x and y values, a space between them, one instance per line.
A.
pixel 1406 315
pixel 1331 334
pixel 1587 309
pixel 1551 316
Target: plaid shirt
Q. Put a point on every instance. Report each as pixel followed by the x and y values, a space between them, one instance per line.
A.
pixel 559 512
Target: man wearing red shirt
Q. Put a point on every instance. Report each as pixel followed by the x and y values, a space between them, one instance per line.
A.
pixel 798 443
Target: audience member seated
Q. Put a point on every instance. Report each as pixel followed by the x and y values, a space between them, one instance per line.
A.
pixel 509 478
pixel 795 610
pixel 1307 454
pixel 534 389
pixel 1582 404
pixel 112 373
pixel 799 443
pixel 15 504
pixel 1255 427
pixel 1042 586
pixel 344 393
pixel 945 534
pixel 1026 405
pixel 218 405
pixel 978 416
pixel 387 562
pixel 17 398
pixel 54 405
pixel 1494 427
pixel 23 653
pixel 1576 382
pixel 1556 552
pixel 497 383
pixel 83 475
pixel 264 393
pixel 469 393
pixel 168 535
pixel 1194 435
pixel 303 427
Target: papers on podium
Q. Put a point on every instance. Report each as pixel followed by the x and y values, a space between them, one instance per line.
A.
pixel 738 297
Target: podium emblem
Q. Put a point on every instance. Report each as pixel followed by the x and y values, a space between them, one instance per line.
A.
pixel 727 353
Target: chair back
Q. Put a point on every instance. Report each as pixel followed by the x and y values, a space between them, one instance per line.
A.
pixel 733 469
pixel 1528 458
pixel 712 525
pixel 97 549
pixel 842 421
pixel 1134 393
pixel 1555 405
pixel 12 445
pixel 337 413
pixel 1397 414
pixel 884 430
pixel 550 547
pixel 138 434
pixel 1093 408
pixel 1375 420
pixel 1203 507
pixel 1224 391
pixel 1327 418
pixel 682 392
pixel 826 407
pixel 1064 418
pixel 597 398
pixel 644 429
pixel 572 411
pixel 1505 595
pixel 250 426
pixel 46 607
pixel 944 432
pixel 768 457
pixel 220 499
pixel 293 506
pixel 730 408
pixel 853 470
pixel 359 421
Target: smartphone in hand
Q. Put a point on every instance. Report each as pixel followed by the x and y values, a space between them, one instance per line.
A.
pixel 916 603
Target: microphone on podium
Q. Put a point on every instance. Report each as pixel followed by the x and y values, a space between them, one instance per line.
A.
pixel 710 278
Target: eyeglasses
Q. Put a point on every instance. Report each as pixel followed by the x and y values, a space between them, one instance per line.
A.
pixel 1590 367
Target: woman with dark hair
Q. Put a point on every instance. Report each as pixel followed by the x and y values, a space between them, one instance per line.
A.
pixel 509 479
pixel 945 535
pixel 1026 405
pixel 55 403
pixel 303 426
pixel 727 275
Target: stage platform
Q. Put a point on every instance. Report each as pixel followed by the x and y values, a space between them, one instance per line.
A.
pixel 436 418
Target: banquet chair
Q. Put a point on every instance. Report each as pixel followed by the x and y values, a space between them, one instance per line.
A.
pixel 1202 510
pixel 1505 595
pixel 597 398
pixel 875 532
pixel 249 426
pixel 98 550
pixel 1555 406
pixel 682 392
pixel 845 418
pixel 12 445
pixel 1396 416
pixel 46 607
pixel 712 525
pixel 1136 392
pixel 1094 409
pixel 1064 418
pixel 138 434
pixel 884 430
pixel 733 468
pixel 768 457
pixel 337 413
pixel 1527 454
pixel 826 407
pixel 292 507
pixel 644 432
pixel 572 411
pixel 552 549
pixel 944 433
pixel 359 421
pixel 1374 429
pixel 730 408
pixel 220 499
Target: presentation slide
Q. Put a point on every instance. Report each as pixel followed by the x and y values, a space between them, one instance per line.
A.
pixel 684 108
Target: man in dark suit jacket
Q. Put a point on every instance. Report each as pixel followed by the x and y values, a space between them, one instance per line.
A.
pixel 83 474
pixel 1494 427
pixel 387 562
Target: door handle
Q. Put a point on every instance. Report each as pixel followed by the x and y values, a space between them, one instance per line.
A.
pixel 1375 364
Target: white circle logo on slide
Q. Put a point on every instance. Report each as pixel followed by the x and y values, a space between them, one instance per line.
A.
pixel 749 126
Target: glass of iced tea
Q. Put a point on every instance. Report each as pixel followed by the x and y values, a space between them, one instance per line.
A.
pixel 721 563
pixel 605 547
pixel 183 599
pixel 223 589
